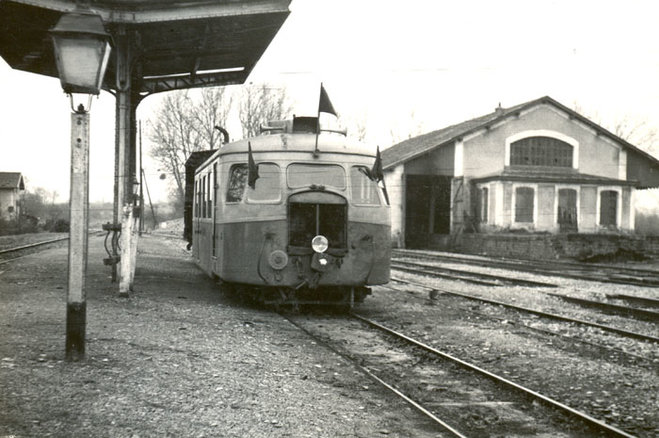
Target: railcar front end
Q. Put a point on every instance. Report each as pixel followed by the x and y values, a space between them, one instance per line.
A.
pixel 287 221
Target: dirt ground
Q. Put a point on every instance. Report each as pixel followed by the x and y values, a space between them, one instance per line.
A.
pixel 176 358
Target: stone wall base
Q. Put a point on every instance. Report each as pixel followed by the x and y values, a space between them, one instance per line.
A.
pixel 550 246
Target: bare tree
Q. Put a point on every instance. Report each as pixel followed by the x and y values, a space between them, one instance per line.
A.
pixel 260 104
pixel 357 125
pixel 213 110
pixel 637 132
pixel 406 128
pixel 183 125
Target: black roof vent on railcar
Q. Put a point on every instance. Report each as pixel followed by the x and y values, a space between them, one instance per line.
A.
pixel 297 124
pixel 303 124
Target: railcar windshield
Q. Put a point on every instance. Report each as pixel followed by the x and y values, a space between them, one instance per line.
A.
pixel 266 189
pixel 363 190
pixel 303 175
pixel 268 185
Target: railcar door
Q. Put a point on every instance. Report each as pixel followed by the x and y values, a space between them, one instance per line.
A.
pixel 215 216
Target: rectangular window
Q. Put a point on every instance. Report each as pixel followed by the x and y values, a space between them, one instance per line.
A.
pixel 485 201
pixel 196 198
pixel 267 187
pixel 305 175
pixel 608 208
pixel 524 204
pixel 363 190
pixel 214 180
pixel 203 196
pixel 209 197
pixel 237 182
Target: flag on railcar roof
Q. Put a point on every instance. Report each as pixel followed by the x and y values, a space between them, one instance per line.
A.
pixel 324 106
pixel 376 171
pixel 376 174
pixel 252 168
pixel 324 103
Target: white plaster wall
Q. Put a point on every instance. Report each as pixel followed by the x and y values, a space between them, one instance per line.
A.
pixel 394 179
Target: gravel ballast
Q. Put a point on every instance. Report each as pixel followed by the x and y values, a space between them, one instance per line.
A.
pixel 176 358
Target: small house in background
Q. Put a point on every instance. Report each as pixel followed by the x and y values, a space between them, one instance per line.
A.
pixel 12 187
pixel 536 168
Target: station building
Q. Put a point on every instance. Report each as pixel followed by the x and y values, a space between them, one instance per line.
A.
pixel 538 167
pixel 12 187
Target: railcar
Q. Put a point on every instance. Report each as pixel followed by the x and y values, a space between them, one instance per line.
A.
pixel 292 216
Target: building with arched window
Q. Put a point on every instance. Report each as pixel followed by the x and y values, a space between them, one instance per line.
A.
pixel 538 167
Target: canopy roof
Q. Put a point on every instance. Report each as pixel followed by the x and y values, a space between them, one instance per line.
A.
pixel 176 44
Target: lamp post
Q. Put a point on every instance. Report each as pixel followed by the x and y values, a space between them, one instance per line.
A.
pixel 82 51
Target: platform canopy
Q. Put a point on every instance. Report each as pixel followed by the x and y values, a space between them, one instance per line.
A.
pixel 175 43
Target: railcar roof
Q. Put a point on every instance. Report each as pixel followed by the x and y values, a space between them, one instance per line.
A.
pixel 299 142
pixel 328 143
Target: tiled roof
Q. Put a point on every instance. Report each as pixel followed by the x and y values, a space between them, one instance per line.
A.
pixel 11 180
pixel 417 146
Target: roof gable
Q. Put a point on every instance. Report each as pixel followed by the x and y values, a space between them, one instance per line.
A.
pixel 11 180
pixel 417 146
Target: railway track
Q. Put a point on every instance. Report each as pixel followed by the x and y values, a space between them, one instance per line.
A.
pixel 575 270
pixel 466 276
pixel 614 353
pixel 632 311
pixel 28 249
pixel 12 252
pixel 625 333
pixel 460 398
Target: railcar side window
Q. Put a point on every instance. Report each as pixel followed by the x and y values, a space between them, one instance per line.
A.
pixel 196 199
pixel 362 189
pixel 304 175
pixel 268 184
pixel 237 182
pixel 209 198
pixel 203 197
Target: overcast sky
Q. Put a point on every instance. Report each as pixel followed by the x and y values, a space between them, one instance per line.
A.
pixel 382 61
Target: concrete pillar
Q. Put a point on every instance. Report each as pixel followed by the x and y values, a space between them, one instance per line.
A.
pixel 76 305
pixel 125 161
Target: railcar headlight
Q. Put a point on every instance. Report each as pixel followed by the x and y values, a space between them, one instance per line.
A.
pixel 319 244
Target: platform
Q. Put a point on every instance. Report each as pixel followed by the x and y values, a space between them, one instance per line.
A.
pixel 176 358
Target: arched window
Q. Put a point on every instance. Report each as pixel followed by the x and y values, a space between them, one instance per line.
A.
pixel 541 151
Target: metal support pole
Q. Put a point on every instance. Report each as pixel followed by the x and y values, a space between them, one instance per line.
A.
pixel 153 213
pixel 76 306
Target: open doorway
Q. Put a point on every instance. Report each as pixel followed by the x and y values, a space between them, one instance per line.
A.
pixel 427 209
